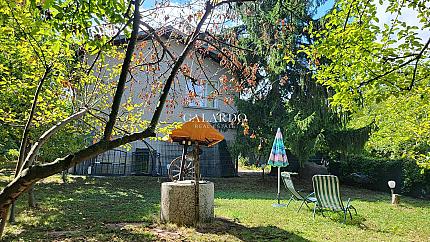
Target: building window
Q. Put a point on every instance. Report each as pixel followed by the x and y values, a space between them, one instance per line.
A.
pixel 202 94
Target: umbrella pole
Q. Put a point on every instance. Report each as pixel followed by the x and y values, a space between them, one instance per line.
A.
pixel 279 204
pixel 181 169
pixel 279 184
pixel 197 183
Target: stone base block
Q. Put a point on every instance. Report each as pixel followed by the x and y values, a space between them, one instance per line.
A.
pixel 177 202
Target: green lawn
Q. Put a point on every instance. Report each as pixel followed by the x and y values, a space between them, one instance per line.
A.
pixel 126 209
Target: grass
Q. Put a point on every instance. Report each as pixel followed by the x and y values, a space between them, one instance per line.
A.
pixel 126 209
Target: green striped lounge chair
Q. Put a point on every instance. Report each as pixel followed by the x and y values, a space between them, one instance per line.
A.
pixel 295 195
pixel 326 188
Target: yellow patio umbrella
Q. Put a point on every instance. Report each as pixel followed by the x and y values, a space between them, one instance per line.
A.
pixel 196 130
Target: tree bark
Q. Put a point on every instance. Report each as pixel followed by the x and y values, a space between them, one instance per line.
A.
pixel 3 219
pixel 11 215
pixel 34 151
pixel 31 175
pixel 64 176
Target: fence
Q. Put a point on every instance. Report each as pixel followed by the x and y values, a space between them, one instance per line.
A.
pixel 214 162
pixel 120 163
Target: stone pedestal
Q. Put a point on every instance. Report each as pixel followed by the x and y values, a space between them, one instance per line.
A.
pixel 177 202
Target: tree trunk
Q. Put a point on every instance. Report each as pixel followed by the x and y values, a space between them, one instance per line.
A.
pixel 123 75
pixel 262 168
pixel 236 165
pixel 31 199
pixel 32 154
pixel 26 131
pixel 4 212
pixel 64 176
pixel 17 170
pixel 11 214
pixel 37 172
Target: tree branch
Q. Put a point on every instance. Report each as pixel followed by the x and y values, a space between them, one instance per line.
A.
pixel 47 134
pixel 31 175
pixel 158 39
pixel 104 121
pixel 123 76
pixel 417 57
pixel 347 16
pixel 228 44
pixel 178 63
pixel 158 61
pixel 204 73
pixel 108 42
pixel 41 55
pixel 26 131
pixel 414 75
pixel 231 1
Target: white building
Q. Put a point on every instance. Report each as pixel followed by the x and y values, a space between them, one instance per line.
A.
pixel 152 157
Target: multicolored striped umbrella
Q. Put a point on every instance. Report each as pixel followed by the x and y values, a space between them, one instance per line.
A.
pixel 278 157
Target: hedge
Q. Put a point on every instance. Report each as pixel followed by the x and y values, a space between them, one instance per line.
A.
pixel 374 173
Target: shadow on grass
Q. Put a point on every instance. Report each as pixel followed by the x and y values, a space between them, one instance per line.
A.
pixel 222 226
pixel 80 210
pixel 338 216
pixel 83 209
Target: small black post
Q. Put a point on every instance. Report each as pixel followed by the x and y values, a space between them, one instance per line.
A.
pixel 125 163
pixel 184 153
pixel 197 183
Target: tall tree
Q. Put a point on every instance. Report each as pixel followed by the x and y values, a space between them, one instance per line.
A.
pixel 379 71
pixel 286 95
pixel 93 90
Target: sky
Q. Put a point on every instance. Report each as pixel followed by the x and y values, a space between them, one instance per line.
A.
pixel 408 15
pixel 323 9
pixel 176 16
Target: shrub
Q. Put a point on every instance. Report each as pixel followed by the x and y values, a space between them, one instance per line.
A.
pixel 416 181
pixel 374 173
pixel 12 154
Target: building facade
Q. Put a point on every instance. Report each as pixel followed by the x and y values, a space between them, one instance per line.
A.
pixel 152 157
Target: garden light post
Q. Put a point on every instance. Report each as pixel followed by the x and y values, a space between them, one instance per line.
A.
pixel 395 199
pixel 392 185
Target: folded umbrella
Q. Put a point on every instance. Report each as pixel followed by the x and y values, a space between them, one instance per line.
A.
pixel 278 158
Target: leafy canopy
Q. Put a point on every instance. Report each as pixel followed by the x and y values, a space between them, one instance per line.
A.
pixel 378 71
